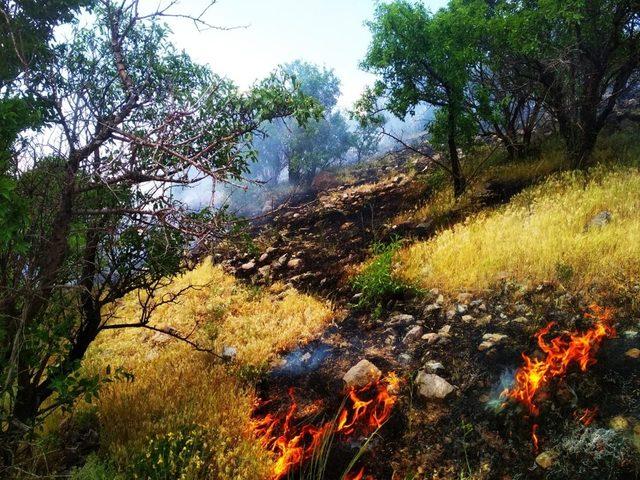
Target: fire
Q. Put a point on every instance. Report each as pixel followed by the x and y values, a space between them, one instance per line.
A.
pixel 358 476
pixel 588 416
pixel 561 352
pixel 365 410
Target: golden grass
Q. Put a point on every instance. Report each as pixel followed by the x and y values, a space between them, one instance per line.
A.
pixel 175 387
pixel 539 236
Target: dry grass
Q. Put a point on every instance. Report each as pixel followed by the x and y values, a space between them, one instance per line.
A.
pixel 539 236
pixel 175 387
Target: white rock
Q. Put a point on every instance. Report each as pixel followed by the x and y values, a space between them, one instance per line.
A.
pixel 361 374
pixel 431 338
pixel 433 387
pixel 248 266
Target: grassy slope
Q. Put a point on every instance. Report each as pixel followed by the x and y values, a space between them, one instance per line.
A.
pixel 540 235
pixel 178 390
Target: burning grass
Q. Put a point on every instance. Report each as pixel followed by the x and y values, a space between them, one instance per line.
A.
pixel 305 446
pixel 183 414
pixel 541 235
pixel 558 355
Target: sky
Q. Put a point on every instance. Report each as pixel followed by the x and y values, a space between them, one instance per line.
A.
pixel 330 33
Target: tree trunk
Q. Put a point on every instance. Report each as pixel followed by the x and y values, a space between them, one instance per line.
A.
pixel 459 182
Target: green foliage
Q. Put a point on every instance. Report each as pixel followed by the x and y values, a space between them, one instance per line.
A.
pixel 96 469
pixel 376 281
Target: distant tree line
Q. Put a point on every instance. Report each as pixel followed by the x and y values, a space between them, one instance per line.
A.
pixel 497 68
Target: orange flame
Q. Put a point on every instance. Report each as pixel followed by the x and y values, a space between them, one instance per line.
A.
pixel 560 353
pixel 588 416
pixel 293 444
pixel 358 476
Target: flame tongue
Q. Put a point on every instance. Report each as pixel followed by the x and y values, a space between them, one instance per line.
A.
pixel 365 410
pixel 560 353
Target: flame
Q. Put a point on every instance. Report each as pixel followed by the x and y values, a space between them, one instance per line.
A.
pixel 588 416
pixel 358 476
pixel 560 353
pixel 534 437
pixel 365 410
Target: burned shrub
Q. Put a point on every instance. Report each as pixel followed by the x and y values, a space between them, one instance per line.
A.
pixel 595 453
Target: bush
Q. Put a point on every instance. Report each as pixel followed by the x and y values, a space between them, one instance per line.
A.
pixel 95 469
pixel 376 282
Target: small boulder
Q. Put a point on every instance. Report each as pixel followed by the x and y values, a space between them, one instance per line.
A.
pixel 265 271
pixel 400 319
pixel 361 374
pixel 461 308
pixel 413 334
pixel 433 387
pixel 404 359
pixel 294 263
pixel 490 340
pixel 263 258
pixel 247 267
pixel 431 338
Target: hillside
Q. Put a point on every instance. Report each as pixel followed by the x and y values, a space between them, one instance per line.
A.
pixel 448 303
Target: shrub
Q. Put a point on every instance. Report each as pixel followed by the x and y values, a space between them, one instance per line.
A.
pixel 376 282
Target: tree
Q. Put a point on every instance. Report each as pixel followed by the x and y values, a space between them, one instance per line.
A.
pixel 581 54
pixel 425 58
pixel 317 144
pixel 129 120
pixel 366 138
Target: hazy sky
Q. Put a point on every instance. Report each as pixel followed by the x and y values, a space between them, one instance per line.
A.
pixel 327 32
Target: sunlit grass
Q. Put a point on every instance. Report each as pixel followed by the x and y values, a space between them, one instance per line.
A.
pixel 176 389
pixel 539 234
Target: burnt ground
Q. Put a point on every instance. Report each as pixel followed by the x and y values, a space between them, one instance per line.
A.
pixel 313 244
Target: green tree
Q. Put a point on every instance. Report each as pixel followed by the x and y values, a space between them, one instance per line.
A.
pixel 581 54
pixel 426 58
pixel 317 144
pixel 129 120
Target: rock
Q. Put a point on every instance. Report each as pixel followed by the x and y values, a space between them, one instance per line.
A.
pixel 390 340
pixel 294 263
pixel 490 340
pixel 265 271
pixel 247 267
pixel 306 357
pixel 263 258
pixel 413 334
pixel 445 331
pixel 400 319
pixel 451 313
pixel 440 299
pixel 546 459
pixel 630 334
pixel 281 261
pixel 433 367
pixel 633 353
pixel 465 298
pixel 362 374
pixel 270 250
pixel 229 353
pixel 468 318
pixel 599 220
pixel 433 387
pixel 461 308
pixel 619 423
pixel 431 338
pixel 521 320
pixel 434 307
pixel 484 321
pixel 404 358
pixel 356 298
